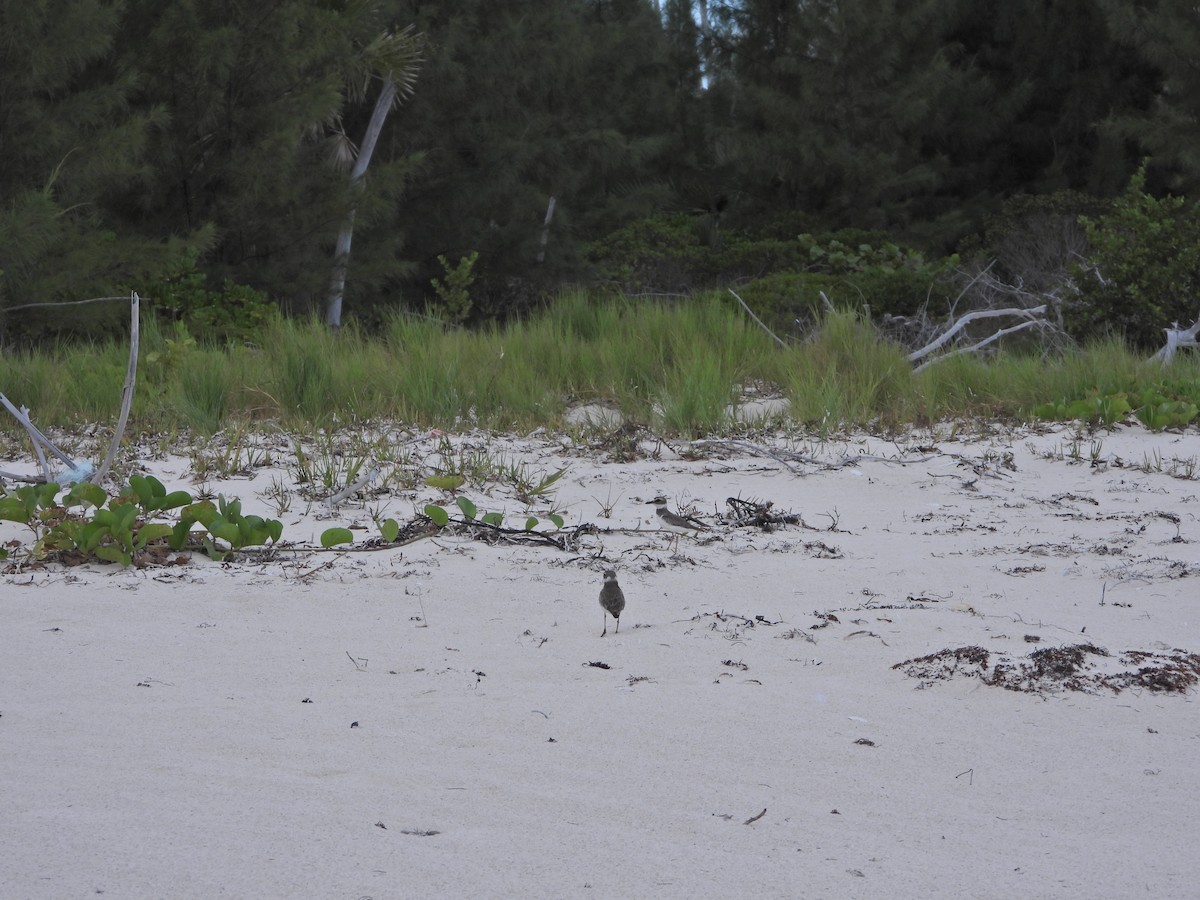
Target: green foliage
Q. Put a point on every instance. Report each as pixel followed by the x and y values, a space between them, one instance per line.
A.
pixel 440 517
pixel 446 482
pixel 1095 409
pixel 515 104
pixel 235 313
pixel 86 524
pixel 164 364
pixel 668 254
pixel 1158 412
pixel 1166 38
pixel 145 127
pixel 661 253
pixel 331 537
pixel 791 302
pixel 1144 270
pixel 1152 407
pixel 73 140
pixel 454 292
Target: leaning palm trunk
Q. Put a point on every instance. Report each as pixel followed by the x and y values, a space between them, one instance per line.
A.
pixel 341 258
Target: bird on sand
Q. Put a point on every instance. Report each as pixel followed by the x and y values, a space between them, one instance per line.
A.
pixel 679 524
pixel 612 600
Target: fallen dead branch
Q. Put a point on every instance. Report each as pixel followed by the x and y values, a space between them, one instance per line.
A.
pixel 77 470
pixel 991 297
pixel 1034 318
pixel 758 514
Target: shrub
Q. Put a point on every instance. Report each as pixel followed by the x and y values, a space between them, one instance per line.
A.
pixel 1037 240
pixel 789 301
pixel 669 254
pixel 454 292
pixel 1144 269
pixel 236 313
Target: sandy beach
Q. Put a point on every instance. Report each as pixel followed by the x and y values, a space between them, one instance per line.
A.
pixel 958 664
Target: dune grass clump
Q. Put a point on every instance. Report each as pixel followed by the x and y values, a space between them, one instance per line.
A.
pixel 678 368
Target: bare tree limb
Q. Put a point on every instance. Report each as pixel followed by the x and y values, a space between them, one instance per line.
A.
pixel 750 313
pixel 1034 315
pixel 981 344
pixel 1177 338
pixel 9 309
pixel 127 394
pixel 36 437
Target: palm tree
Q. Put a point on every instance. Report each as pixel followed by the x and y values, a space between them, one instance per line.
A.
pixel 394 58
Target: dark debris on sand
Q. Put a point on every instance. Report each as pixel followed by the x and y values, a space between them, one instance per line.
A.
pixel 1071 668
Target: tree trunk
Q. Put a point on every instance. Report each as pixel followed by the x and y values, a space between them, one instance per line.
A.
pixel 541 256
pixel 341 256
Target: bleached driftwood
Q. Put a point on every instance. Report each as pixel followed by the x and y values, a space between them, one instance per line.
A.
pixel 987 295
pixel 39 441
pixel 1176 338
pixel 80 470
pixel 135 332
pixel 1035 318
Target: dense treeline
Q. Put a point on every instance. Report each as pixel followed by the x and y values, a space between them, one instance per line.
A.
pixel 200 151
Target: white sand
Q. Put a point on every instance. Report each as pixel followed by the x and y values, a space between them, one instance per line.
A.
pixel 157 743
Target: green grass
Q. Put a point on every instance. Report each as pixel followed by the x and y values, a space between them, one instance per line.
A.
pixel 675 368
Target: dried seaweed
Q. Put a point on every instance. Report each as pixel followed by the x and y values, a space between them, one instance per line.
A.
pixel 1070 668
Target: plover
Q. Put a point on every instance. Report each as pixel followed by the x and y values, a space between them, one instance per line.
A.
pixel 612 600
pixel 675 522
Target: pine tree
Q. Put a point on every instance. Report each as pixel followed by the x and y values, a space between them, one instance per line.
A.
pixel 520 103
pixel 256 143
pixel 830 106
pixel 1053 73
pixel 68 144
pixel 1166 33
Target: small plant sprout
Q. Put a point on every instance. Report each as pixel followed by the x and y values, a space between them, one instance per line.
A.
pixel 532 487
pixel 389 529
pixel 608 504
pixel 278 495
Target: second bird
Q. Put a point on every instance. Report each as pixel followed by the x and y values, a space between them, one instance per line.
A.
pixel 612 599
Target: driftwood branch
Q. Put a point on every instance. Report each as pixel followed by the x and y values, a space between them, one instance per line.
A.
pixel 985 295
pixel 39 441
pixel 1177 338
pixel 750 313
pixel 1034 315
pixel 979 345
pixel 127 394
pixel 81 471
pixel 9 309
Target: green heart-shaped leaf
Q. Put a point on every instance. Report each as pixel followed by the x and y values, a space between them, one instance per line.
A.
pixel 331 537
